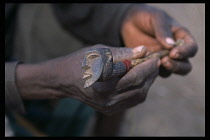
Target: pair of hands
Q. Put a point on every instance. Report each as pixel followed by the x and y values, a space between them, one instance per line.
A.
pixel 143 25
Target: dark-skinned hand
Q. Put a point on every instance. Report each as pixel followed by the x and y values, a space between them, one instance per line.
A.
pixel 62 77
pixel 154 28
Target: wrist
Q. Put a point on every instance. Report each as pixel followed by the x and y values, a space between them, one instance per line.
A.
pixel 36 81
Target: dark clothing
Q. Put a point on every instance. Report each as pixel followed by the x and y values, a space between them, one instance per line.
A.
pixel 10 20
pixel 91 24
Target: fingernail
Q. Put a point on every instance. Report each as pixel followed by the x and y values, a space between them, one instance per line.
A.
pixel 170 41
pixel 138 49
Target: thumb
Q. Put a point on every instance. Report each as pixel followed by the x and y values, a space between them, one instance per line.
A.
pixel 163 33
pixel 120 54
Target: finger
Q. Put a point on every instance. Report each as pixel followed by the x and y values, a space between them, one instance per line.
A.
pixel 120 54
pixel 123 53
pixel 134 36
pixel 162 27
pixel 177 66
pixel 188 49
pixel 138 74
pixel 135 96
pixel 106 86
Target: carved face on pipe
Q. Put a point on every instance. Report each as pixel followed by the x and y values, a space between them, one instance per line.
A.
pixel 97 64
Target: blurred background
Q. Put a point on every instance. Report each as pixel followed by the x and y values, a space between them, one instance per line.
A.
pixel 175 106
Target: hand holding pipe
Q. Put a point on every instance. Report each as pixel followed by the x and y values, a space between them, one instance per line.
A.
pixel 99 66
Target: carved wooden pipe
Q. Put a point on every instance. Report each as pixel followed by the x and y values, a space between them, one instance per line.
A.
pixel 99 66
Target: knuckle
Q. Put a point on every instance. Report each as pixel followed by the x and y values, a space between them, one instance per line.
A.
pixel 182 29
pixel 189 51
